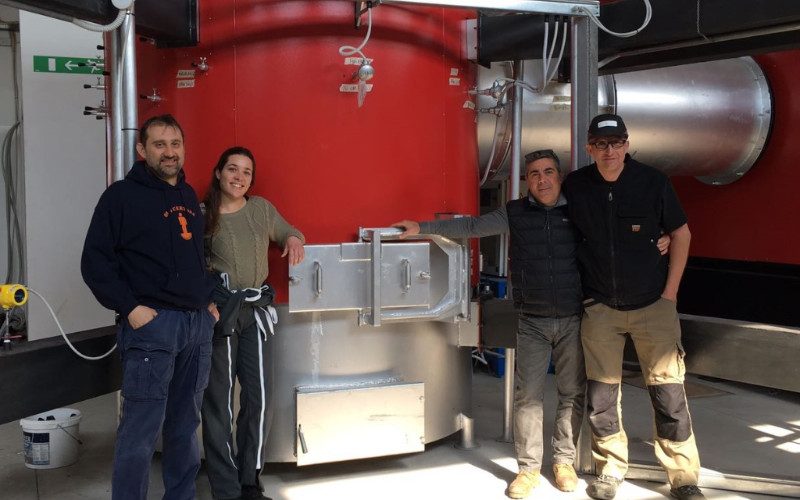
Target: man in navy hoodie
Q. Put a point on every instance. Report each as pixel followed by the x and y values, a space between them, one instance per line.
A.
pixel 143 258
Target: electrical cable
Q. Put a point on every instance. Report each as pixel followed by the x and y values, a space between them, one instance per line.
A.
pixel 560 54
pixel 648 15
pixel 349 50
pixel 519 83
pixel 546 75
pixel 61 329
pixel 12 217
pixel 102 28
pixel 544 51
pixel 489 162
pixel 510 82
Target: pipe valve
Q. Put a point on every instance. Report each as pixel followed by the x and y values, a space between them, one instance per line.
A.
pixel 154 97
pixel 201 64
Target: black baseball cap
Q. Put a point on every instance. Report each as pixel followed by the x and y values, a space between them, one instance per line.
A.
pixel 608 125
pixel 541 153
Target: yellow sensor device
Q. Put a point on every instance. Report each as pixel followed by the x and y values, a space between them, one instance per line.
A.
pixel 13 296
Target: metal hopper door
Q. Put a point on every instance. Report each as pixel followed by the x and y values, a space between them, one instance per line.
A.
pixel 384 280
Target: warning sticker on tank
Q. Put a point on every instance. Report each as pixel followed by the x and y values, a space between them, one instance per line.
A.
pixel 353 87
pixel 185 73
pixel 185 84
pixel 356 61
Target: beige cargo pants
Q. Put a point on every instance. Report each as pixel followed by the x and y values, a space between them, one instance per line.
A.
pixel 655 330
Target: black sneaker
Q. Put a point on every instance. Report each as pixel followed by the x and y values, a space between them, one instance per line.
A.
pixel 252 492
pixel 604 487
pixel 687 492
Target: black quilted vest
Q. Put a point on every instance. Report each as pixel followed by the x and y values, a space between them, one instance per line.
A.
pixel 544 269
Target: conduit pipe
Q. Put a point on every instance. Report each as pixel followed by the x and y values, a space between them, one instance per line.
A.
pixel 115 165
pixel 513 194
pixel 130 118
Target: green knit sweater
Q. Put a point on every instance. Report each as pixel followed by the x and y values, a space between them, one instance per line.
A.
pixel 239 246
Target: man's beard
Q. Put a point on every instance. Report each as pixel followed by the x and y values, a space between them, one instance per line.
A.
pixel 163 173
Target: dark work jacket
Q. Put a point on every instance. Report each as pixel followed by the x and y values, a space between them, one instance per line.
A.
pixel 144 246
pixel 544 271
pixel 620 223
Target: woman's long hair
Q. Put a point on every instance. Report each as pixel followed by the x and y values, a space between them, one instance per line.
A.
pixel 214 193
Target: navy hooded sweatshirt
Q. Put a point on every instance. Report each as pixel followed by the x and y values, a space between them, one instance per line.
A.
pixel 145 246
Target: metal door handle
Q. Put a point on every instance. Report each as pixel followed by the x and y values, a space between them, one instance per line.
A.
pixel 302 439
pixel 317 278
pixel 406 275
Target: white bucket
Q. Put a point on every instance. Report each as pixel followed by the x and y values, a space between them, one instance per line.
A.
pixel 51 438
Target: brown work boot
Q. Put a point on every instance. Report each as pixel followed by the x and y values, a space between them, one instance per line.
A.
pixel 522 486
pixel 566 479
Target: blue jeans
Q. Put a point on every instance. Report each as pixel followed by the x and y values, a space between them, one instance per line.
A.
pixel 165 366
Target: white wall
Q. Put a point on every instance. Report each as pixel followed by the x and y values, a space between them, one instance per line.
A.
pixel 64 175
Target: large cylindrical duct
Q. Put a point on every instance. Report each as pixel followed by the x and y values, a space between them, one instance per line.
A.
pixel 710 120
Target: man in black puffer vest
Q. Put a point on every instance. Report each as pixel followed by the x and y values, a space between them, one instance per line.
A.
pixel 547 294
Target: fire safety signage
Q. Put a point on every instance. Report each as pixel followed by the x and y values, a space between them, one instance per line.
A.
pixel 74 65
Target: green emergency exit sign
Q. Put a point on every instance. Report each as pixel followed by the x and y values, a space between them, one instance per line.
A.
pixel 74 65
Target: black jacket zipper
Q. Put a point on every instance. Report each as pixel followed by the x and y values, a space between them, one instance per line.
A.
pixel 548 230
pixel 614 300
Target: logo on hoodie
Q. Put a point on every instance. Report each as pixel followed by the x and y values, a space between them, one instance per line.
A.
pixel 185 234
pixel 182 221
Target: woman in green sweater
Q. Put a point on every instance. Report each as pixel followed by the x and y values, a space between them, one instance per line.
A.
pixel 238 231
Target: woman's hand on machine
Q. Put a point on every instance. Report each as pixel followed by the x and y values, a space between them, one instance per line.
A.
pixel 294 249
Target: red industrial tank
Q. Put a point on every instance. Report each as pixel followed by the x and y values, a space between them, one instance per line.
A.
pixel 273 85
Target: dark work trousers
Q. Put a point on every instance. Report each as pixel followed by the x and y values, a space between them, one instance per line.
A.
pixel 241 356
pixel 165 366
pixel 537 338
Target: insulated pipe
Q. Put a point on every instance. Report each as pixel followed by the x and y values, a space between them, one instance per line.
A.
pixel 720 112
pixel 513 194
pixel 116 167
pixel 130 119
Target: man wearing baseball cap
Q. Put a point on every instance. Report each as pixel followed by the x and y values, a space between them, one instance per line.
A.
pixel 547 294
pixel 621 207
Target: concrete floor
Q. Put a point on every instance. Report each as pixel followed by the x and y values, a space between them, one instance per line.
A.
pixel 745 429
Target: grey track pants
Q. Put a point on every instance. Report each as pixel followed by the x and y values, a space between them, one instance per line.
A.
pixel 537 338
pixel 243 356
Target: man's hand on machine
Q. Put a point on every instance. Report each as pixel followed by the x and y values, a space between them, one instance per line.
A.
pixel 409 227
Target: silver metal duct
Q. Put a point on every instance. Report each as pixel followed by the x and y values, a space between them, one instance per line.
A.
pixel 130 116
pixel 710 120
pixel 116 167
